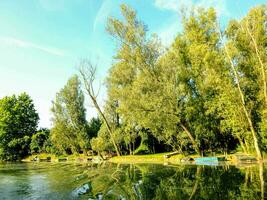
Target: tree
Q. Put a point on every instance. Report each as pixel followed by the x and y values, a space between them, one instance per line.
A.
pixel 133 63
pixel 200 70
pixel 18 122
pixel 173 92
pixel 69 131
pixel 93 127
pixel 87 72
pixel 246 55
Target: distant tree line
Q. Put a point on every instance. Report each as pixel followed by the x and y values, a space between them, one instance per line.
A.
pixel 205 92
pixel 20 136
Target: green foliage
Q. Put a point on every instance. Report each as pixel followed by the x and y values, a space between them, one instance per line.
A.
pixel 18 121
pixel 98 144
pixel 102 141
pixel 134 61
pixel 39 142
pixel 190 96
pixel 93 127
pixel 142 149
pixel 69 132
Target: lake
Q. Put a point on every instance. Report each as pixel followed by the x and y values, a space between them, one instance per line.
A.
pixel 140 181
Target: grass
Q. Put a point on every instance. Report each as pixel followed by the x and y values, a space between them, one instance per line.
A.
pixel 150 158
pixel 159 158
pixel 131 159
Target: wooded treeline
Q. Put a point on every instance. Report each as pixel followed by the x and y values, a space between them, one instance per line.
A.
pixel 205 92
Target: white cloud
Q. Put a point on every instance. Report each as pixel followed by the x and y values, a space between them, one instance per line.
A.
pixel 25 44
pixel 168 33
pixel 219 5
pixel 175 5
pixel 103 13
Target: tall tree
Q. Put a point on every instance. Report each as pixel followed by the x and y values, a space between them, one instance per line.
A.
pixel 135 58
pixel 179 93
pixel 246 51
pixel 69 131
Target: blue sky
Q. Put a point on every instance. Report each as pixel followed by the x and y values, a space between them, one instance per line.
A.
pixel 42 41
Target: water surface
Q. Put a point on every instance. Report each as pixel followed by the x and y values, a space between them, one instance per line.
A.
pixel 141 181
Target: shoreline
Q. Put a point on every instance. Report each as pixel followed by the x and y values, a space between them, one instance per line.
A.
pixel 160 158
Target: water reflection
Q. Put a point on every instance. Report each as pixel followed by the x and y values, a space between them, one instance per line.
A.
pixel 142 181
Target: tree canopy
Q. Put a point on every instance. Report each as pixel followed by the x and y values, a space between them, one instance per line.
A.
pixel 207 91
pixel 18 122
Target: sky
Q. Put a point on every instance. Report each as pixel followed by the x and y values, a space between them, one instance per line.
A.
pixel 42 41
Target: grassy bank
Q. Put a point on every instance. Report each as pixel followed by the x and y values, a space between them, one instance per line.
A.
pixel 159 158
pixel 175 159
pixel 151 158
pixel 54 158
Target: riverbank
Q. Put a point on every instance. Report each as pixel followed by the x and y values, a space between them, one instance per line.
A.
pixel 159 158
pixel 54 158
pixel 151 158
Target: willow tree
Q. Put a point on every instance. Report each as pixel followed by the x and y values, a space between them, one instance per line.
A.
pixel 205 92
pixel 168 94
pixel 135 56
pixel 246 52
pixel 192 68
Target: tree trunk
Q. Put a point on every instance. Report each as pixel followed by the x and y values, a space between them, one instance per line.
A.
pixel 133 147
pixel 87 71
pixel 108 127
pixel 261 63
pixel 130 149
pixel 242 144
pixel 191 138
pixel 255 139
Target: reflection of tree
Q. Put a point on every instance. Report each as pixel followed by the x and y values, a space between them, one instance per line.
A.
pixel 261 175
pixel 253 186
pixel 196 183
pixel 146 181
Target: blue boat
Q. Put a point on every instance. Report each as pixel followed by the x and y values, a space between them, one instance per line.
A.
pixel 208 160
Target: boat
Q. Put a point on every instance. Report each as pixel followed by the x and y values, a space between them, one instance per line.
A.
pixel 209 160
